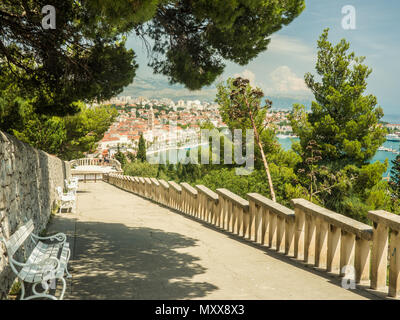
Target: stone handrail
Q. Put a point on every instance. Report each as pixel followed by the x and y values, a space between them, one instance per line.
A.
pixel 189 198
pixel 233 212
pixel 309 234
pixel 95 162
pixel 175 191
pixel 208 202
pixel 383 222
pixel 271 224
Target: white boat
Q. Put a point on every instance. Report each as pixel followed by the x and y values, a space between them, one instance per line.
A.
pixel 285 136
pixel 282 136
pixel 392 137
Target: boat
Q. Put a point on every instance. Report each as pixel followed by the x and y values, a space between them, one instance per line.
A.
pixel 392 137
pixel 285 136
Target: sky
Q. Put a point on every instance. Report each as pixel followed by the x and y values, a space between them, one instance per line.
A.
pixel 280 70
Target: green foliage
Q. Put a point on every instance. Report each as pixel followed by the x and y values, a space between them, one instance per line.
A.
pixel 44 72
pixel 130 156
pixel 236 115
pixel 395 177
pixel 234 108
pixel 84 57
pixel 195 36
pixel 141 154
pixel 81 59
pixel 344 126
pixel 67 137
pixel 120 156
pixel 283 178
pixel 343 121
pixel 15 288
pixel 141 169
pixel 241 108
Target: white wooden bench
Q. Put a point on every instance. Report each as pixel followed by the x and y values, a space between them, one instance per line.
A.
pixel 46 263
pixel 66 200
pixel 71 186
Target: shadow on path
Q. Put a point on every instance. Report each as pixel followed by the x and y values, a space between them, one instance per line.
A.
pixel 113 261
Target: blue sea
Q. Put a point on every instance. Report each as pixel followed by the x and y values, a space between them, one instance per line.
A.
pixel 286 145
pixel 379 156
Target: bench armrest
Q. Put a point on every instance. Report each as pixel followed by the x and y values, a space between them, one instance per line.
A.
pixel 60 237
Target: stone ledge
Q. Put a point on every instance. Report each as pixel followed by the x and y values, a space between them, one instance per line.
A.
pixel 346 224
pixel 155 182
pixel 147 180
pixel 175 186
pixel 189 188
pixel 234 197
pixel 163 183
pixel 209 193
pixel 272 206
pixel 388 219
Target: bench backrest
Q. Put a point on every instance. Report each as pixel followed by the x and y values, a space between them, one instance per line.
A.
pixel 19 237
pixel 59 191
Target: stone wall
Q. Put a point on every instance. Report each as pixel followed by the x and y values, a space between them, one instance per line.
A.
pixel 28 178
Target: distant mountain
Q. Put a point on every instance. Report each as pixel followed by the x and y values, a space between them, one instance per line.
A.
pixel 158 88
pixel 279 102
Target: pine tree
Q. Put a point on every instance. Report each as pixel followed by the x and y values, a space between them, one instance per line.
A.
pixel 344 123
pixel 395 176
pixel 141 154
pixel 343 120
pixel 120 157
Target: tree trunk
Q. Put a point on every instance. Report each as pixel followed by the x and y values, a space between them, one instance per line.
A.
pixel 271 187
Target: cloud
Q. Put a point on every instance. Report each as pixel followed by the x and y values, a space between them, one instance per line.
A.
pixel 290 46
pixel 283 81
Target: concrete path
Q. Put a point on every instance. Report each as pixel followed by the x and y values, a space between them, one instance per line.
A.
pixel 126 247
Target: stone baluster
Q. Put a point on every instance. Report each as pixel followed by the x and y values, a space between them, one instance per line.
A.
pixel 235 208
pixel 177 192
pixel 332 241
pixel 381 252
pixel 274 222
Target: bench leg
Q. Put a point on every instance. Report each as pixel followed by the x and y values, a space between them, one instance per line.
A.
pixel 44 294
pixel 37 295
pixel 63 288
pixel 66 266
pixel 22 289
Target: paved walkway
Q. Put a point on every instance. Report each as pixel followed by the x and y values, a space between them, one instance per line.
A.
pixel 125 247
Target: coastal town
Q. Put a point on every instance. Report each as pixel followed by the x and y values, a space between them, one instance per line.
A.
pixel 213 151
pixel 166 124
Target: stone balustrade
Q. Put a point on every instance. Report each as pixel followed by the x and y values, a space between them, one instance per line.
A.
pixel 310 234
pixel 231 212
pixel 95 162
pixel 386 229
pixel 208 205
pixel 271 224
